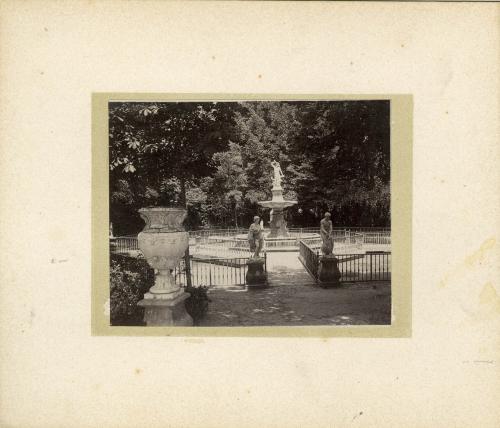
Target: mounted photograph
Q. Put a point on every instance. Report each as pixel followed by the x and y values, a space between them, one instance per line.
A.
pixel 241 213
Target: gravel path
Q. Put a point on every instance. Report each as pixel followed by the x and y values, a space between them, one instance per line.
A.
pixel 294 299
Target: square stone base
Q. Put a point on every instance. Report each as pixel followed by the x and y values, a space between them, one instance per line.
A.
pixel 166 312
pixel 328 271
pixel 256 277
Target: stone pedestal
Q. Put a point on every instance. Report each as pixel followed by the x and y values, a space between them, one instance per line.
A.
pixel 160 311
pixel 328 271
pixel 256 276
pixel 277 194
pixel 278 225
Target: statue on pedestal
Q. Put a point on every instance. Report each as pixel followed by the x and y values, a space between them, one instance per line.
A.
pixel 256 276
pixel 256 237
pixel 278 174
pixel 328 271
pixel 326 232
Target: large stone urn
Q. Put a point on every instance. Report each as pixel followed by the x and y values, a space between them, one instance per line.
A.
pixel 163 243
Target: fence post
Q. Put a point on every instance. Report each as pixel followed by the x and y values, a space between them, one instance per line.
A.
pixel 371 271
pixel 187 264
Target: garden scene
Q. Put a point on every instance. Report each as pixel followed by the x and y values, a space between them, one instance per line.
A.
pixel 256 213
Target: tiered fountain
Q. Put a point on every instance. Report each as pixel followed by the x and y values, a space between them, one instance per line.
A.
pixel 278 205
pixel 279 238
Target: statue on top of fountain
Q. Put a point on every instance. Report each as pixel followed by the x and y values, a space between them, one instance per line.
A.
pixel 278 174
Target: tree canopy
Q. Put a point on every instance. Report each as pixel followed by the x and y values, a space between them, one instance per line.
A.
pixel 215 158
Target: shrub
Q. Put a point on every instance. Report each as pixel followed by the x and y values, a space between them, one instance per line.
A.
pixel 130 279
pixel 197 303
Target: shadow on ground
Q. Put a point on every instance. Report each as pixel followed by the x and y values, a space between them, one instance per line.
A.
pixel 294 300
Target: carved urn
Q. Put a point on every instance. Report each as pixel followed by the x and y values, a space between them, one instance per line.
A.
pixel 163 243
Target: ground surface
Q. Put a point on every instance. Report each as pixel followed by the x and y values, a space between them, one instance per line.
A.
pixel 293 299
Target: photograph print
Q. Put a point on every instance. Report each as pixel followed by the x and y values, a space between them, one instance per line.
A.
pixel 250 213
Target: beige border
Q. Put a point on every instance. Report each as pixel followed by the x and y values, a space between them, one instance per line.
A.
pixel 401 208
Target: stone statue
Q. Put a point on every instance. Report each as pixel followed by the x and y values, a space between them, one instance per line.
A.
pixel 255 237
pixel 326 232
pixel 278 174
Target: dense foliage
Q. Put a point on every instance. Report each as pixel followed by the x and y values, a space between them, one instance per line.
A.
pixel 215 159
pixel 197 303
pixel 130 279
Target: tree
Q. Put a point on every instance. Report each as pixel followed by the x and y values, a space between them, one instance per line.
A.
pixel 159 149
pixel 215 158
pixel 340 161
pixel 229 181
pixel 265 131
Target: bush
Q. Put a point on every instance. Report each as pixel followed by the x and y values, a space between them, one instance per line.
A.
pixel 197 303
pixel 130 279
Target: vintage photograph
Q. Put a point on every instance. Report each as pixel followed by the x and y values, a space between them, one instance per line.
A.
pixel 250 213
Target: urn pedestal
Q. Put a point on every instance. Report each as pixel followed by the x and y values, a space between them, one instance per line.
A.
pixel 163 242
pixel 328 271
pixel 256 277
pixel 161 312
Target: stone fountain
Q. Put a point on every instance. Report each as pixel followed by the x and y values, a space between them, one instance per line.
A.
pixel 277 205
pixel 279 239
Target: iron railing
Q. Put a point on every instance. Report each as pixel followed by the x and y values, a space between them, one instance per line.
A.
pixel 365 267
pixel 356 267
pixel 210 272
pixel 123 244
pixel 214 272
pixel 378 238
pixel 315 229
pixel 309 258
pixel 205 233
pixel 222 242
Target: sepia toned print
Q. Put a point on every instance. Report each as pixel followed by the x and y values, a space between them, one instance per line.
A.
pixel 244 215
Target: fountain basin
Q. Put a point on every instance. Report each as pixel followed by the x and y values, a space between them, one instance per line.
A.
pixel 288 243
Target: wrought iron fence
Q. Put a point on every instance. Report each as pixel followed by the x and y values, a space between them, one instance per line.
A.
pixel 356 267
pixel 378 238
pixel 220 247
pixel 123 244
pixel 365 267
pixel 211 272
pixel 309 258
pixel 223 242
pixel 214 272
pixel 205 233
pixel 343 242
pixel 315 229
